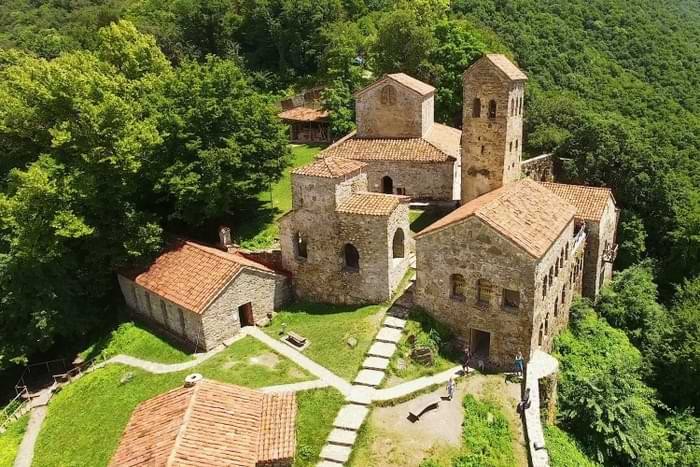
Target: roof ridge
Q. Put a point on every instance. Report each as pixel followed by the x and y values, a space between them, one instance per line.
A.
pixel 605 188
pixel 183 425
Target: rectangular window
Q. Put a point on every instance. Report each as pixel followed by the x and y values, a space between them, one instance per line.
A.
pixel 484 292
pixel 400 191
pixel 511 298
pixel 164 312
pixel 148 303
pixel 181 314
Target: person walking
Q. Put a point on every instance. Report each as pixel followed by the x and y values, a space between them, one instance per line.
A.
pixel 450 388
pixel 465 360
pixel 519 364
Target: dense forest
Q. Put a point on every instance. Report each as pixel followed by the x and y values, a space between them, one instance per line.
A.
pixel 121 120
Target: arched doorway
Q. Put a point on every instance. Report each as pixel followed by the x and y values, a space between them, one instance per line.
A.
pixel 387 185
pixel 351 258
pixel 397 245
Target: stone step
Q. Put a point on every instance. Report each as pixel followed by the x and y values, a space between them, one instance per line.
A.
pixel 372 378
pixel 335 452
pixel 361 395
pixel 376 363
pixel 391 335
pixel 393 322
pixel 342 437
pixel 351 417
pixel 382 349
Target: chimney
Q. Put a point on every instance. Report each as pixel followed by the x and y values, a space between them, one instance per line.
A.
pixel 191 380
pixel 225 242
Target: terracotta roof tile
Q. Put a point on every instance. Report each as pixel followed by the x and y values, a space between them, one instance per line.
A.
pixel 590 202
pixel 440 144
pixel 525 212
pixel 506 66
pixel 330 167
pixel 370 204
pixel 304 114
pixel 191 275
pixel 209 424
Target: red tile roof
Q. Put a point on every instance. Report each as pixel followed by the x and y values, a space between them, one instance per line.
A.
pixel 330 167
pixel 304 114
pixel 525 212
pixel 209 424
pixel 590 201
pixel 191 275
pixel 370 204
pixel 440 144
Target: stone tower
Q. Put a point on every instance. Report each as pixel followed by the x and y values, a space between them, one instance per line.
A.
pixel 492 133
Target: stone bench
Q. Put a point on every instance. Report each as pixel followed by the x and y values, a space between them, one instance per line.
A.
pixel 296 339
pixel 417 410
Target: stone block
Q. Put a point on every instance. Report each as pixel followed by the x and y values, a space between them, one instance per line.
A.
pixel 371 378
pixel 393 322
pixel 382 349
pixel 390 335
pixel 361 395
pixel 336 453
pixel 342 437
pixel 376 363
pixel 350 417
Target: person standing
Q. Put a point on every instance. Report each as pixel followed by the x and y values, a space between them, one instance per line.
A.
pixel 450 388
pixel 465 360
pixel 519 364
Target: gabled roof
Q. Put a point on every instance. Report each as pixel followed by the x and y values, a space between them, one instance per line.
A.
pixel 417 86
pixel 508 68
pixel 370 204
pixel 212 424
pixel 525 212
pixel 304 114
pixel 330 167
pixel 191 275
pixel 590 201
pixel 440 144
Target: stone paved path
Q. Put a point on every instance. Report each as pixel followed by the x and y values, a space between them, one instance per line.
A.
pixel 296 387
pixel 25 453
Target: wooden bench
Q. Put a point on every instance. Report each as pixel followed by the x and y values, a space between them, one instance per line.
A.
pixel 296 339
pixel 418 410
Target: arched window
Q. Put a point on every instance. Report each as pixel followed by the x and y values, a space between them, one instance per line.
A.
pixel 541 336
pixel 510 148
pixel 300 247
pixel 566 251
pixel 483 148
pixel 551 275
pixel 516 144
pixel 388 96
pixel 546 324
pixel 544 286
pixel 512 107
pixel 563 296
pixel 457 286
pixel 352 258
pixel 556 307
pixel 521 106
pixel 387 185
pixel 556 267
pixel 397 245
pixel 483 295
pixel 492 109
pixel 476 108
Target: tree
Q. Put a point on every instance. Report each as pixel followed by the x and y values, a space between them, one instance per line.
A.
pixel 403 44
pixel 133 53
pixel 208 26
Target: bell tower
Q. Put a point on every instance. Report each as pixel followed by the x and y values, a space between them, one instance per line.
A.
pixel 492 131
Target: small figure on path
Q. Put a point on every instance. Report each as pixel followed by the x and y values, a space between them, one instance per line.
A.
pixel 465 360
pixel 519 364
pixel 450 388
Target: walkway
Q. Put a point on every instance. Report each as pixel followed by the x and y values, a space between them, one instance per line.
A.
pixel 25 453
pixel 540 365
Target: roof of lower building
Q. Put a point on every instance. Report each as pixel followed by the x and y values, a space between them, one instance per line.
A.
pixel 403 79
pixel 330 167
pixel 440 144
pixel 304 114
pixel 505 65
pixel 209 423
pixel 590 201
pixel 370 204
pixel 525 212
pixel 191 275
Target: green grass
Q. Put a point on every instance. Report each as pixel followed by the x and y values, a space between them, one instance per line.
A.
pixel 328 327
pixel 563 450
pixel 316 412
pixel 86 419
pixel 137 341
pixel 427 332
pixel 420 219
pixel 10 441
pixel 260 229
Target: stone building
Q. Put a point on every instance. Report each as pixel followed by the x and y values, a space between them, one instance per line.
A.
pixel 206 423
pixel 341 243
pixel 595 207
pixel 492 145
pixel 500 270
pixel 204 295
pixel 307 125
pixel 406 152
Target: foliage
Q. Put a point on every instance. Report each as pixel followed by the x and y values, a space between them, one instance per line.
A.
pixel 563 450
pixel 316 412
pixel 10 441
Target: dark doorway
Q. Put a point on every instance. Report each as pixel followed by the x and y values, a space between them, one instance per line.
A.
pixel 480 343
pixel 387 185
pixel 245 315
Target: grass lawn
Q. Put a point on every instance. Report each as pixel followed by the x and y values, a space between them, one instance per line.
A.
pixel 328 327
pixel 316 412
pixel 137 341
pixel 11 439
pixel 86 419
pixel 429 333
pixel 420 219
pixel 260 230
pixel 563 449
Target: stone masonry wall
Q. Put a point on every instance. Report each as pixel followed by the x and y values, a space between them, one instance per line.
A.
pixel 398 266
pixel 420 180
pixel 476 251
pixel 540 168
pixel 410 116
pixel 597 272
pixel 491 147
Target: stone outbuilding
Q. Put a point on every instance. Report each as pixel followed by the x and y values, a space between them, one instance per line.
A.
pixel 341 243
pixel 204 295
pixel 501 270
pixel 206 423
pixel 406 152
pixel 595 207
pixel 307 125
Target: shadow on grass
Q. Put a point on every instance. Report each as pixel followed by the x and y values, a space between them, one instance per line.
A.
pixel 319 308
pixel 422 219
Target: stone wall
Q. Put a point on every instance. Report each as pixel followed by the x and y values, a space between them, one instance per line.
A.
pixel 476 251
pixel 491 147
pixel 420 180
pixel 409 115
pixel 540 168
pixel 596 271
